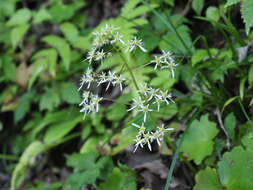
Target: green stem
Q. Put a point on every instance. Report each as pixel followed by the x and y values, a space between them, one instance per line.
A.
pixel 243 110
pixel 130 71
pixel 173 164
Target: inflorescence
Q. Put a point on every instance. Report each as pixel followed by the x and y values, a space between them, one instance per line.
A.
pixel 148 96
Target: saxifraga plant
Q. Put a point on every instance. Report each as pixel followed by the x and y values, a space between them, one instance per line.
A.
pixel 106 42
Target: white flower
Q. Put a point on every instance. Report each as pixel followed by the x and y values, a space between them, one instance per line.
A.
pixel 158 100
pixel 118 80
pixel 86 78
pixel 141 128
pixel 86 95
pixel 156 136
pixel 117 38
pixel 102 78
pixel 132 44
pixel 110 78
pixel 91 55
pixel 86 109
pixel 144 89
pixel 165 95
pixel 145 110
pixel 158 61
pixel 137 103
pixel 171 66
pixel 146 139
pixel 167 55
pixel 161 130
pixel 138 142
pixel 100 55
pixel 90 103
pixel 95 101
pixel 152 92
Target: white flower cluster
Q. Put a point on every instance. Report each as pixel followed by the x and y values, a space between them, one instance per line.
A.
pixel 165 61
pixel 112 79
pixel 144 137
pixel 150 96
pixel 147 97
pixel 109 36
pixel 90 103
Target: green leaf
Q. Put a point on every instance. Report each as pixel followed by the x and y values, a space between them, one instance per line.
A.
pixel 163 75
pixel 124 139
pixel 247 14
pixel 198 5
pixel 61 46
pixel 27 159
pixel 41 16
pixel 247 141
pixel 207 179
pixel 166 111
pixel 86 130
pixel 199 134
pixel 231 2
pixel 7 8
pixel 213 13
pixel 119 181
pixel 70 32
pixel 69 93
pixel 82 43
pixel 49 100
pixel 38 67
pixel 250 75
pixel 22 16
pixel 18 33
pixel 61 12
pixel 174 44
pixel 91 144
pixel 230 124
pixel 78 179
pixel 82 161
pixel 235 169
pixel 9 68
pixel 87 169
pixel 59 130
pixel 169 2
pixel 116 112
pixel 242 86
pixel 23 106
pixel 55 117
pixel 97 123
pixel 50 57
pixel 198 56
pixel 229 101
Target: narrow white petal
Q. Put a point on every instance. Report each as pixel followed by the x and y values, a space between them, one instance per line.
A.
pixel 142 48
pixel 107 86
pixel 149 146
